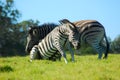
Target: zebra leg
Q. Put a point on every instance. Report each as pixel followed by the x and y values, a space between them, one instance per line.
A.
pixel 58 46
pixel 55 56
pixel 58 56
pixel 71 51
pixel 95 44
pixel 34 53
pixel 65 59
pixel 63 54
pixel 99 49
pixel 104 49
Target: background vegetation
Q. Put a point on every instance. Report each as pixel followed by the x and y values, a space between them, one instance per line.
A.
pixel 13 33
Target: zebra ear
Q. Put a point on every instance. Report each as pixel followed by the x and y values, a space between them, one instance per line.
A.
pixel 30 29
pixel 71 25
pixel 64 21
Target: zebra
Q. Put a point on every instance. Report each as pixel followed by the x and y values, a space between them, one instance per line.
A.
pixel 94 28
pixel 55 40
pixel 93 33
pixel 37 33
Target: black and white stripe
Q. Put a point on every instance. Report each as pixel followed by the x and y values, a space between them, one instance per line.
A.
pixel 93 33
pixel 37 33
pixel 55 40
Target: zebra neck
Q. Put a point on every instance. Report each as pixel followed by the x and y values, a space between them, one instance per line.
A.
pixel 62 31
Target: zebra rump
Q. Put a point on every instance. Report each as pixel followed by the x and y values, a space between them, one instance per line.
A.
pixel 93 33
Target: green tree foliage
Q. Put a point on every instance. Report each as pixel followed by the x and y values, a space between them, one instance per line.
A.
pixel 115 45
pixel 24 26
pixel 12 33
pixel 86 49
pixel 8 19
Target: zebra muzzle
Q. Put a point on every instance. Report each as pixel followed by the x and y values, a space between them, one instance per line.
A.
pixel 27 50
pixel 76 45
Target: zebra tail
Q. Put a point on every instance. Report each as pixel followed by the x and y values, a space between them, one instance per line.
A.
pixel 107 47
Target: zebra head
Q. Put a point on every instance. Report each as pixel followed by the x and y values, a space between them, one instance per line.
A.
pixel 32 39
pixel 72 32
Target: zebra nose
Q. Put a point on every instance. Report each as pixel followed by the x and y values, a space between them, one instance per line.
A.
pixel 27 50
pixel 78 47
pixel 75 45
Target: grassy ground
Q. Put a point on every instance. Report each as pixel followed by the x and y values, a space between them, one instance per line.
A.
pixel 85 68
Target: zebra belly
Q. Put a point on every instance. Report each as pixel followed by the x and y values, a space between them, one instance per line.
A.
pixel 46 48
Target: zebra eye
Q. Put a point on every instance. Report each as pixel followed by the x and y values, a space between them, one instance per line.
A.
pixel 73 39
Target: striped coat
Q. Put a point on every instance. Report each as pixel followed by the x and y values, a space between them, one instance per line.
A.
pixel 93 33
pixel 55 40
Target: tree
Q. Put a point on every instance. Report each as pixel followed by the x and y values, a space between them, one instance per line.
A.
pixel 115 45
pixel 8 17
pixel 24 25
pixel 12 33
pixel 86 49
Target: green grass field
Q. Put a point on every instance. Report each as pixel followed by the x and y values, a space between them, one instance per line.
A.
pixel 85 68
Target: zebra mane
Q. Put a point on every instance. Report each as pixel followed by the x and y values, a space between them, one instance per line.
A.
pixel 48 24
pixel 32 28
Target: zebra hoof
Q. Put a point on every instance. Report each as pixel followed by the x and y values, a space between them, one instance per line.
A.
pixel 99 58
pixel 66 62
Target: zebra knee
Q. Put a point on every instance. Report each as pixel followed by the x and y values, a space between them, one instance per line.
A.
pixel 99 53
pixel 105 53
pixel 100 50
pixel 99 56
pixel 33 54
pixel 105 56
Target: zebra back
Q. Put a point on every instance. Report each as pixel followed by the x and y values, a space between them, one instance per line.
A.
pixel 83 25
pixel 88 26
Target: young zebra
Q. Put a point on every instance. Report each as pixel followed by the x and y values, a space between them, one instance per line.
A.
pixel 36 34
pixel 55 40
pixel 93 33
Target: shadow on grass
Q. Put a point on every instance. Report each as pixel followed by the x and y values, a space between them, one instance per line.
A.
pixel 84 54
pixel 6 68
pixel 12 55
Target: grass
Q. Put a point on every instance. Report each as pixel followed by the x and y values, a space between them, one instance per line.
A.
pixel 85 68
